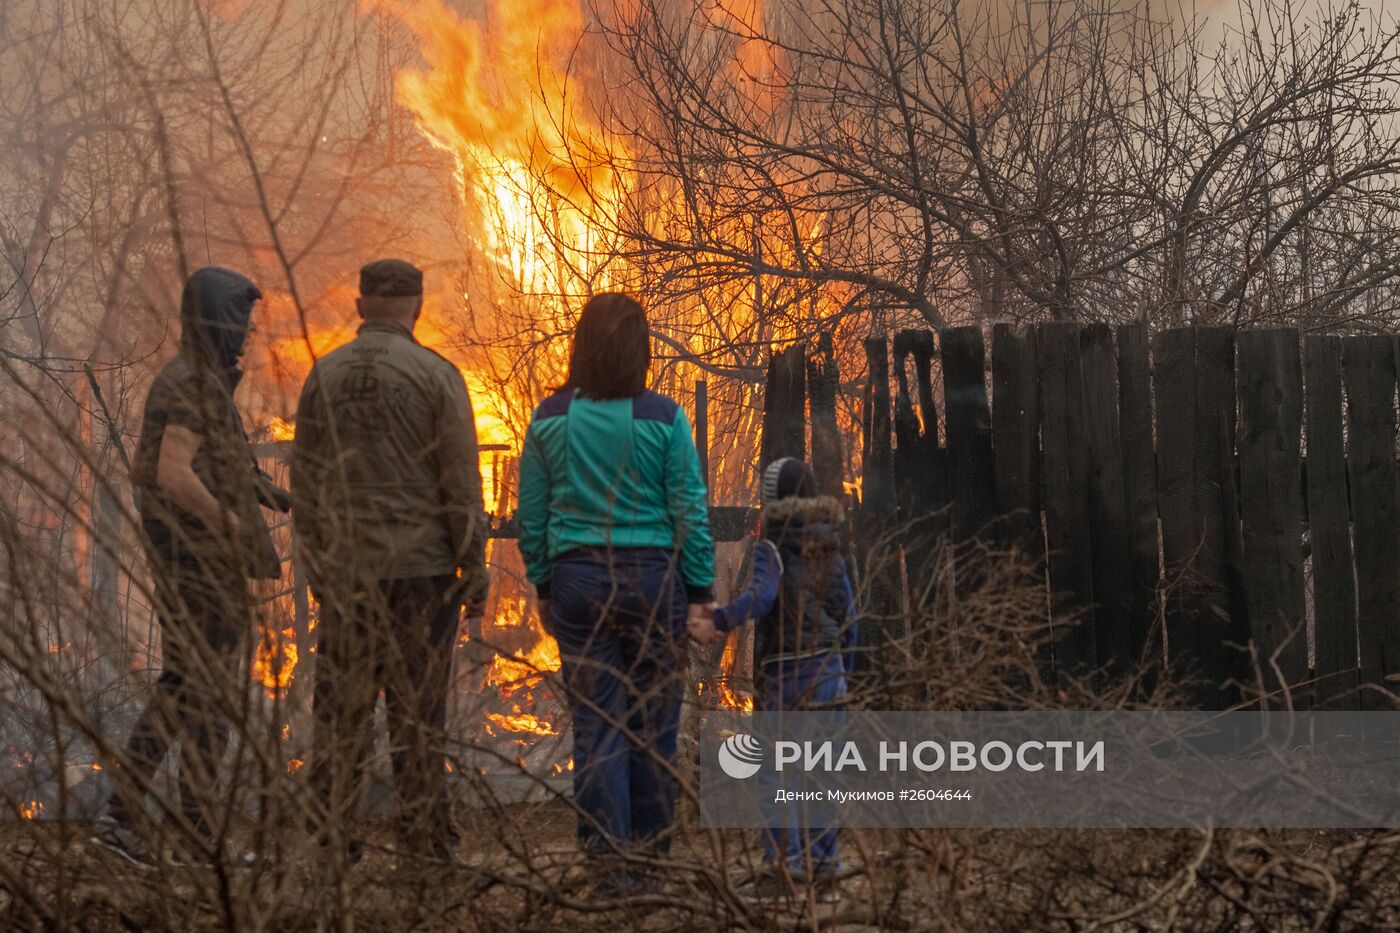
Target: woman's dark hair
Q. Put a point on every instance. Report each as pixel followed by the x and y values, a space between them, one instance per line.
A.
pixel 612 348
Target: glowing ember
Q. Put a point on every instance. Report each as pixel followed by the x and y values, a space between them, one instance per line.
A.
pixel 521 722
pixel 30 810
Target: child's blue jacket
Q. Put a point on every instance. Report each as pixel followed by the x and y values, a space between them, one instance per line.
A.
pixel 800 593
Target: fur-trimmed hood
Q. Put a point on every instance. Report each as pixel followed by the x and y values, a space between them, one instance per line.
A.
pixel 816 509
pixel 804 524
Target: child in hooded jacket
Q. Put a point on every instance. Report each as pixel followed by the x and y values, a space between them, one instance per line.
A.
pixel 800 598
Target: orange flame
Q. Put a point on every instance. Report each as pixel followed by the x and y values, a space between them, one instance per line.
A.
pixel 522 722
pixel 535 171
pixel 279 430
pixel 275 659
pixel 728 697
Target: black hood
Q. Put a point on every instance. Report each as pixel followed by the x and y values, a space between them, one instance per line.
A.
pixel 214 313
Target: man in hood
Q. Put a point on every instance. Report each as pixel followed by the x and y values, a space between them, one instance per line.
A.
pixel 199 493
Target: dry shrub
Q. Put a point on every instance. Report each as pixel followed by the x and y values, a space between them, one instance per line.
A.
pixel 973 637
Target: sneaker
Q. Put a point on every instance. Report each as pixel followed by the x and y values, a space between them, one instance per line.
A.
pixel 826 892
pixel 119 839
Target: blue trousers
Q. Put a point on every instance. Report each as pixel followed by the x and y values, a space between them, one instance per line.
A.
pixel 619 618
pixel 805 683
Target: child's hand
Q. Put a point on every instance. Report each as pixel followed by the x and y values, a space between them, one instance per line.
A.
pixel 700 624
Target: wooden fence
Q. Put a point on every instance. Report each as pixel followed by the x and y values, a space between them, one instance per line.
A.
pixel 1239 485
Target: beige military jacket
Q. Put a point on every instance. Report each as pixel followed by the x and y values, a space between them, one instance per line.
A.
pixel 385 474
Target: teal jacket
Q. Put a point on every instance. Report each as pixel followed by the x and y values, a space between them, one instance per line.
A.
pixel 618 473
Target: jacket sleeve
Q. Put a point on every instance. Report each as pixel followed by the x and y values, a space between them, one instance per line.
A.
pixel 758 597
pixel 842 608
pixel 533 515
pixel 459 488
pixel 308 471
pixel 687 499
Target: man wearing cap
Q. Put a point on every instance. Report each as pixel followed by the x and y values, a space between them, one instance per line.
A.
pixel 389 512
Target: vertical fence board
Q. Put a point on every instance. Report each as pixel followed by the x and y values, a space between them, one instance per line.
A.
pixel 1368 368
pixel 785 408
pixel 876 520
pixel 907 441
pixel 969 430
pixel 1139 488
pixel 935 455
pixel 916 462
pixel 1016 437
pixel 1271 419
pixel 1194 381
pixel 1064 481
pixel 1114 635
pixel 1329 529
pixel 823 381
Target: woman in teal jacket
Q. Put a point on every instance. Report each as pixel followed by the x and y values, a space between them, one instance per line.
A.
pixel 614 529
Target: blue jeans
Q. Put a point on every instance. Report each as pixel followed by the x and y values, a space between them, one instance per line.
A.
pixel 805 683
pixel 619 618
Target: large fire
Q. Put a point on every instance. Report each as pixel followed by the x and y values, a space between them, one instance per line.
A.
pixel 538 178
pixel 535 171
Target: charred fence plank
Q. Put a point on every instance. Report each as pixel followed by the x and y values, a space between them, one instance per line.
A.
pixel 785 407
pixel 1193 370
pixel 919 480
pixel 875 526
pixel 823 381
pixel 1329 530
pixel 1065 483
pixel 1016 439
pixel 1140 493
pixel 969 417
pixel 1271 420
pixel 1368 370
pixel 1115 637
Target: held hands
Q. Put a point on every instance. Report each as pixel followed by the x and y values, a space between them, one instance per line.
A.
pixel 700 624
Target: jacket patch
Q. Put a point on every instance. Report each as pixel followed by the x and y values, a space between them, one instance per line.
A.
pixel 556 405
pixel 653 406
